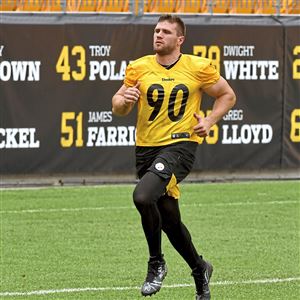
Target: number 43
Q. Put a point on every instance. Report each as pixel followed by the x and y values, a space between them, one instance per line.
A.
pixel 63 63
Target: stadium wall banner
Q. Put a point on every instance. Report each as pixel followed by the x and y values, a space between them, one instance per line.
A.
pixel 291 95
pixel 57 80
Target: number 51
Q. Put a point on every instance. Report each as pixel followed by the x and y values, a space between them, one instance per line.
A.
pixel 68 130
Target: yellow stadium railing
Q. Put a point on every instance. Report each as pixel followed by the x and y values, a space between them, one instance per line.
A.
pixel 273 7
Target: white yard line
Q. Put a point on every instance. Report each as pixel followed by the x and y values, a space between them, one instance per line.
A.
pixel 100 208
pixel 54 210
pixel 125 288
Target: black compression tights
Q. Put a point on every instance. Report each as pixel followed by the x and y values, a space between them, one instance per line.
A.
pixel 162 213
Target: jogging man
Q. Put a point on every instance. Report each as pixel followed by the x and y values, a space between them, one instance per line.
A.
pixel 167 87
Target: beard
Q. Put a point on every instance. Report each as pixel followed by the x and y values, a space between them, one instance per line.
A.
pixel 165 50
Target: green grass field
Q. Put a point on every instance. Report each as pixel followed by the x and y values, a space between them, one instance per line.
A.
pixel 87 242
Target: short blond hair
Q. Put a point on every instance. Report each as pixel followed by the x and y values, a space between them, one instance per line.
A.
pixel 181 29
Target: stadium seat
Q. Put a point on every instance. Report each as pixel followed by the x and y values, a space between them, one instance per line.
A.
pixel 8 5
pixel 266 7
pixel 29 5
pixel 218 6
pixel 126 6
pixel 242 6
pixel 72 5
pixel 160 6
pixel 85 5
pixel 290 7
pixel 95 5
pixel 52 5
pixel 112 6
pixel 88 5
pixel 188 6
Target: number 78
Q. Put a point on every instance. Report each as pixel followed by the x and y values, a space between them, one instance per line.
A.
pixel 210 52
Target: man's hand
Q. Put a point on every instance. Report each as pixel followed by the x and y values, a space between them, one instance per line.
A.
pixel 203 127
pixel 132 94
pixel 124 99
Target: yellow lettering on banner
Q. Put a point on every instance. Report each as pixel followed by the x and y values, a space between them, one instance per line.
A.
pixel 213 54
pixel 200 50
pixel 63 63
pixel 79 139
pixel 295 126
pixel 68 131
pixel 202 115
pixel 213 136
pixel 80 63
pixel 296 64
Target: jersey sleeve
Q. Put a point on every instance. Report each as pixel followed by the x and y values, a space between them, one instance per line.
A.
pixel 130 76
pixel 208 75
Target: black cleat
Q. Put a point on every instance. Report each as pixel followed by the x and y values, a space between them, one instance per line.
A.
pixel 157 271
pixel 202 281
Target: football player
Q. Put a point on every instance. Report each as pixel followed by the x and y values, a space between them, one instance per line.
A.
pixel 167 88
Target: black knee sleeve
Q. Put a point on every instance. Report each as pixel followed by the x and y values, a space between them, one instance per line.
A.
pixel 141 199
pixel 149 190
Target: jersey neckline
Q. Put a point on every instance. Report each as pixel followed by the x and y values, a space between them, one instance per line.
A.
pixel 170 67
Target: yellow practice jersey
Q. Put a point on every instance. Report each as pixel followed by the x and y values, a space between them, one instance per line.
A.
pixel 169 97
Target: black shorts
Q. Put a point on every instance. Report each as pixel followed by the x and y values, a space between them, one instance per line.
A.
pixel 166 161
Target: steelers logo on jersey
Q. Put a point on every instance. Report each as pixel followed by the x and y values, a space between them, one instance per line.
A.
pixel 159 166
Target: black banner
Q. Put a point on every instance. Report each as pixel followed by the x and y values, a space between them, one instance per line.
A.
pixel 57 81
pixel 291 106
pixel 249 137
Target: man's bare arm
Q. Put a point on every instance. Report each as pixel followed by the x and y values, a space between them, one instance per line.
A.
pixel 224 100
pixel 124 99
